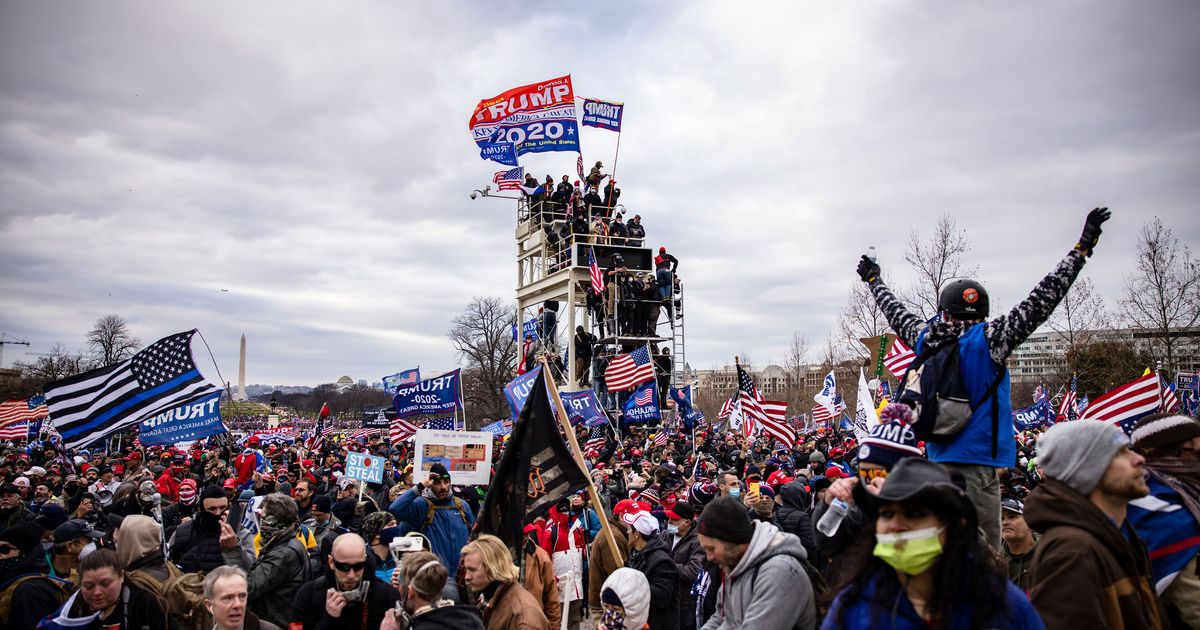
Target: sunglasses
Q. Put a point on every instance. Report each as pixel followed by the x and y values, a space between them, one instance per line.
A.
pixel 6 549
pixel 874 473
pixel 346 567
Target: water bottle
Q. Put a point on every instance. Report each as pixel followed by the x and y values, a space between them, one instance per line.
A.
pixel 871 253
pixel 832 519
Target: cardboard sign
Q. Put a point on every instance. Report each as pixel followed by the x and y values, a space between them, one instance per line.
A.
pixel 364 467
pixel 466 454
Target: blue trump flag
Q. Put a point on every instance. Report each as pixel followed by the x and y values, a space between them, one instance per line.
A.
pixel 643 403
pixel 442 394
pixel 1033 416
pixel 518 390
pixel 502 152
pixel 583 407
pixel 193 421
pixel 602 114
pixel 529 330
pixel 405 377
pixel 683 401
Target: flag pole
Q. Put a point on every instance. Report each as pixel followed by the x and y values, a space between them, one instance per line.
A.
pixel 613 178
pixel 565 423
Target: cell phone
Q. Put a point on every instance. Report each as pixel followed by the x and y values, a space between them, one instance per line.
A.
pixel 754 485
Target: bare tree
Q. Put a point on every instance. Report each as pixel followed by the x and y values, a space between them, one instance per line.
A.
pixel 482 335
pixel 832 353
pixel 1078 318
pixel 796 359
pixel 1162 293
pixel 110 341
pixel 861 317
pixel 935 261
pixel 55 365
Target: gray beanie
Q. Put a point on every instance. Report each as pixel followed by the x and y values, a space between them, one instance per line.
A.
pixel 1078 453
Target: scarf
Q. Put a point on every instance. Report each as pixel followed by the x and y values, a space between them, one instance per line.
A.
pixel 1182 476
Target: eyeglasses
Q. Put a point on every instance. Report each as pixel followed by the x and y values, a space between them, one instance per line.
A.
pixel 873 473
pixel 346 567
pixel 6 549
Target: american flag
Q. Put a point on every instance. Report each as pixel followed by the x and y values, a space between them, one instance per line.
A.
pixel 1170 401
pixel 626 371
pixel 595 440
pixel 594 270
pixel 660 438
pixel 1066 408
pixel 17 431
pixel 161 377
pixel 579 166
pixel 364 433
pixel 776 424
pixel 644 398
pixel 440 424
pixel 749 403
pixel 820 413
pixel 726 408
pixel 510 179
pixel 401 430
pixel 1124 405
pixel 23 410
pixel 899 358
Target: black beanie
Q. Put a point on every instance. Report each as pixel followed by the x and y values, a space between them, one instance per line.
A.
pixel 212 492
pixel 726 519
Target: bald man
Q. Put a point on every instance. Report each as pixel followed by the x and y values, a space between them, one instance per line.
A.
pixel 338 596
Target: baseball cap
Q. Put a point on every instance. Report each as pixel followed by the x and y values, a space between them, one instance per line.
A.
pixel 1013 505
pixel 834 472
pixel 681 512
pixel 74 529
pixel 645 524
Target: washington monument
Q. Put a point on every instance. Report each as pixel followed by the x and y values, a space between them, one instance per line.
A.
pixel 241 392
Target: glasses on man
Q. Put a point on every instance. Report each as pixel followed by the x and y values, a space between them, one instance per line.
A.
pixel 347 567
pixel 873 473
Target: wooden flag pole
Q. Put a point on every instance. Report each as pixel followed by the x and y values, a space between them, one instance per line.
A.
pixel 565 423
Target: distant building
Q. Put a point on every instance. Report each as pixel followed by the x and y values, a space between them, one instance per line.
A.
pixel 1044 352
pixel 344 383
pixel 774 380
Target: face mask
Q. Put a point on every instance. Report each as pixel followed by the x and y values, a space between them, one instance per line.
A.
pixel 613 619
pixel 87 550
pixel 735 492
pixel 910 552
pixel 47 545
pixel 673 529
pixel 10 563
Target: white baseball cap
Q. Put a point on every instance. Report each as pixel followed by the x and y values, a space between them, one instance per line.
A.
pixel 645 524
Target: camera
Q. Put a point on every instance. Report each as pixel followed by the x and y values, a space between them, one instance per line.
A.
pixel 405 544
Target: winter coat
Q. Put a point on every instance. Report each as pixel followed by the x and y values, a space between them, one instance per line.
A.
pixel 136 609
pixel 1087 573
pixel 447 533
pixel 308 608
pixel 141 547
pixel 769 588
pixel 688 557
pixel 457 617
pixel 38 597
pixel 513 608
pixel 275 577
pixel 793 517
pixel 539 581
pixel 859 614
pixel 655 562
pixel 602 563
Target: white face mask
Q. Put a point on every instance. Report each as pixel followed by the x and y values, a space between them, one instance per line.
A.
pixel 87 550
pixel 916 534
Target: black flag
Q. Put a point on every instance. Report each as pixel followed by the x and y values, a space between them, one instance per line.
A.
pixel 536 471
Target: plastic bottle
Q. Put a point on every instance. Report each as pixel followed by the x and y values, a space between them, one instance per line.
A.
pixel 832 519
pixel 871 253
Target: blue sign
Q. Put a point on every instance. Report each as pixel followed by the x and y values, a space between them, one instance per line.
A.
pixel 502 152
pixel 518 390
pixel 364 467
pixel 1033 416
pixel 529 330
pixel 583 407
pixel 603 114
pixel 192 421
pixel 643 403
pixel 399 379
pixel 431 396
pixel 683 401
pixel 497 428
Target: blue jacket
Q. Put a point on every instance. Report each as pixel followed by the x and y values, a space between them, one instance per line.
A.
pixel 1021 614
pixel 974 444
pixel 447 533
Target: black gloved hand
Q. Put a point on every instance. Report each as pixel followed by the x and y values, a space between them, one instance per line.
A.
pixel 1091 230
pixel 869 271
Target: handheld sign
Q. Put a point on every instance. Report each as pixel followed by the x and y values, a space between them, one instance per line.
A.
pixel 466 454
pixel 364 467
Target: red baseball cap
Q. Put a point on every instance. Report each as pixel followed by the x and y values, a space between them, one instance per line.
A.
pixel 230 483
pixel 833 472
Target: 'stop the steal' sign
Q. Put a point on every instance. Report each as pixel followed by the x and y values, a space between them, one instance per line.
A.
pixel 364 467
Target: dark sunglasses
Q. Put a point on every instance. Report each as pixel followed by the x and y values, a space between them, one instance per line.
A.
pixel 874 473
pixel 6 548
pixel 346 567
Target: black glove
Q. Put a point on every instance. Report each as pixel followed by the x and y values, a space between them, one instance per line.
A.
pixel 869 271
pixel 1091 230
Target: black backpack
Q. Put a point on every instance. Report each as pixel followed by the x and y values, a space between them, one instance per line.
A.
pixel 933 386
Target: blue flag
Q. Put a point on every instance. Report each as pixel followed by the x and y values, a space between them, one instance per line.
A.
pixel 193 421
pixel 583 407
pixel 683 401
pixel 518 390
pixel 528 330
pixel 406 377
pixel 642 404
pixel 502 152
pixel 431 396
pixel 602 114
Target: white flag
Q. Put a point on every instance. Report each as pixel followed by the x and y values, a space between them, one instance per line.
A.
pixel 864 418
pixel 825 397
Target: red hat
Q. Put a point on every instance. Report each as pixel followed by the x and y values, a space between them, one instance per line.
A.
pixel 778 478
pixel 662 250
pixel 253 439
pixel 118 469
pixel 834 472
pixel 628 509
pixel 230 483
pixel 135 455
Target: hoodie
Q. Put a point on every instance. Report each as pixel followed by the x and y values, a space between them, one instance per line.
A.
pixel 792 516
pixel 769 587
pixel 456 617
pixel 141 547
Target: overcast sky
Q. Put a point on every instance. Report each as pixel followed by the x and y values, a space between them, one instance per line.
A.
pixel 314 160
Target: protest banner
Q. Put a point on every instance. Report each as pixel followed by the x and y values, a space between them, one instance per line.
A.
pixel 466 454
pixel 378 417
pixel 642 404
pixel 602 114
pixel 584 407
pixel 498 427
pixel 364 467
pixel 534 118
pixel 193 421
pixel 518 390
pixel 438 395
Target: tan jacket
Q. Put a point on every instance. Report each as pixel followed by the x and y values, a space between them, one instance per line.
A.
pixel 602 563
pixel 540 582
pixel 513 608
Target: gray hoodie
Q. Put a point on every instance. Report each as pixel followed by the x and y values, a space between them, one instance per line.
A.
pixel 769 588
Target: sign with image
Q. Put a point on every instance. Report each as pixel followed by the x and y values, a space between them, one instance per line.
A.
pixel 466 454
pixel 364 467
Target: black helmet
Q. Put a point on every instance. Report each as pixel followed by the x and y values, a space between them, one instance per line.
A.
pixel 964 299
pixel 617 258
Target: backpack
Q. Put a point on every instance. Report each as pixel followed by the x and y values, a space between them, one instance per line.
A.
pixel 63 590
pixel 933 386
pixel 181 596
pixel 431 510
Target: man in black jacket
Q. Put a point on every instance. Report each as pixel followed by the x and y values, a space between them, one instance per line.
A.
pixel 349 595
pixel 195 545
pixel 648 554
pixel 682 540
pixel 792 515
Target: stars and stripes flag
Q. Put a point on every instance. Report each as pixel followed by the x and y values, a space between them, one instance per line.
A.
pixel 596 440
pixel 89 406
pixel 579 167
pixel 364 433
pixel 400 430
pixel 510 179
pixel 22 410
pixel 660 438
pixel 898 358
pixel 749 403
pixel 15 431
pixel 1170 401
pixel 726 408
pixel 1124 405
pixel 626 371
pixel 821 413
pixel 776 424
pixel 319 435
pixel 1066 408
pixel 440 424
pixel 594 271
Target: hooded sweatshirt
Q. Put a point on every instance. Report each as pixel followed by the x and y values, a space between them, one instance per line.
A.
pixel 141 547
pixel 793 516
pixel 769 587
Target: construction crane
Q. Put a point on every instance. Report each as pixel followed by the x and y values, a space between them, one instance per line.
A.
pixel 8 340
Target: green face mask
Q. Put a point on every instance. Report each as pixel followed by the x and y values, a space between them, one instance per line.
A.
pixel 910 552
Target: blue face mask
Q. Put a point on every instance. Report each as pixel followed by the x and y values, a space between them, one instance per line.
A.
pixel 672 529
pixel 735 492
